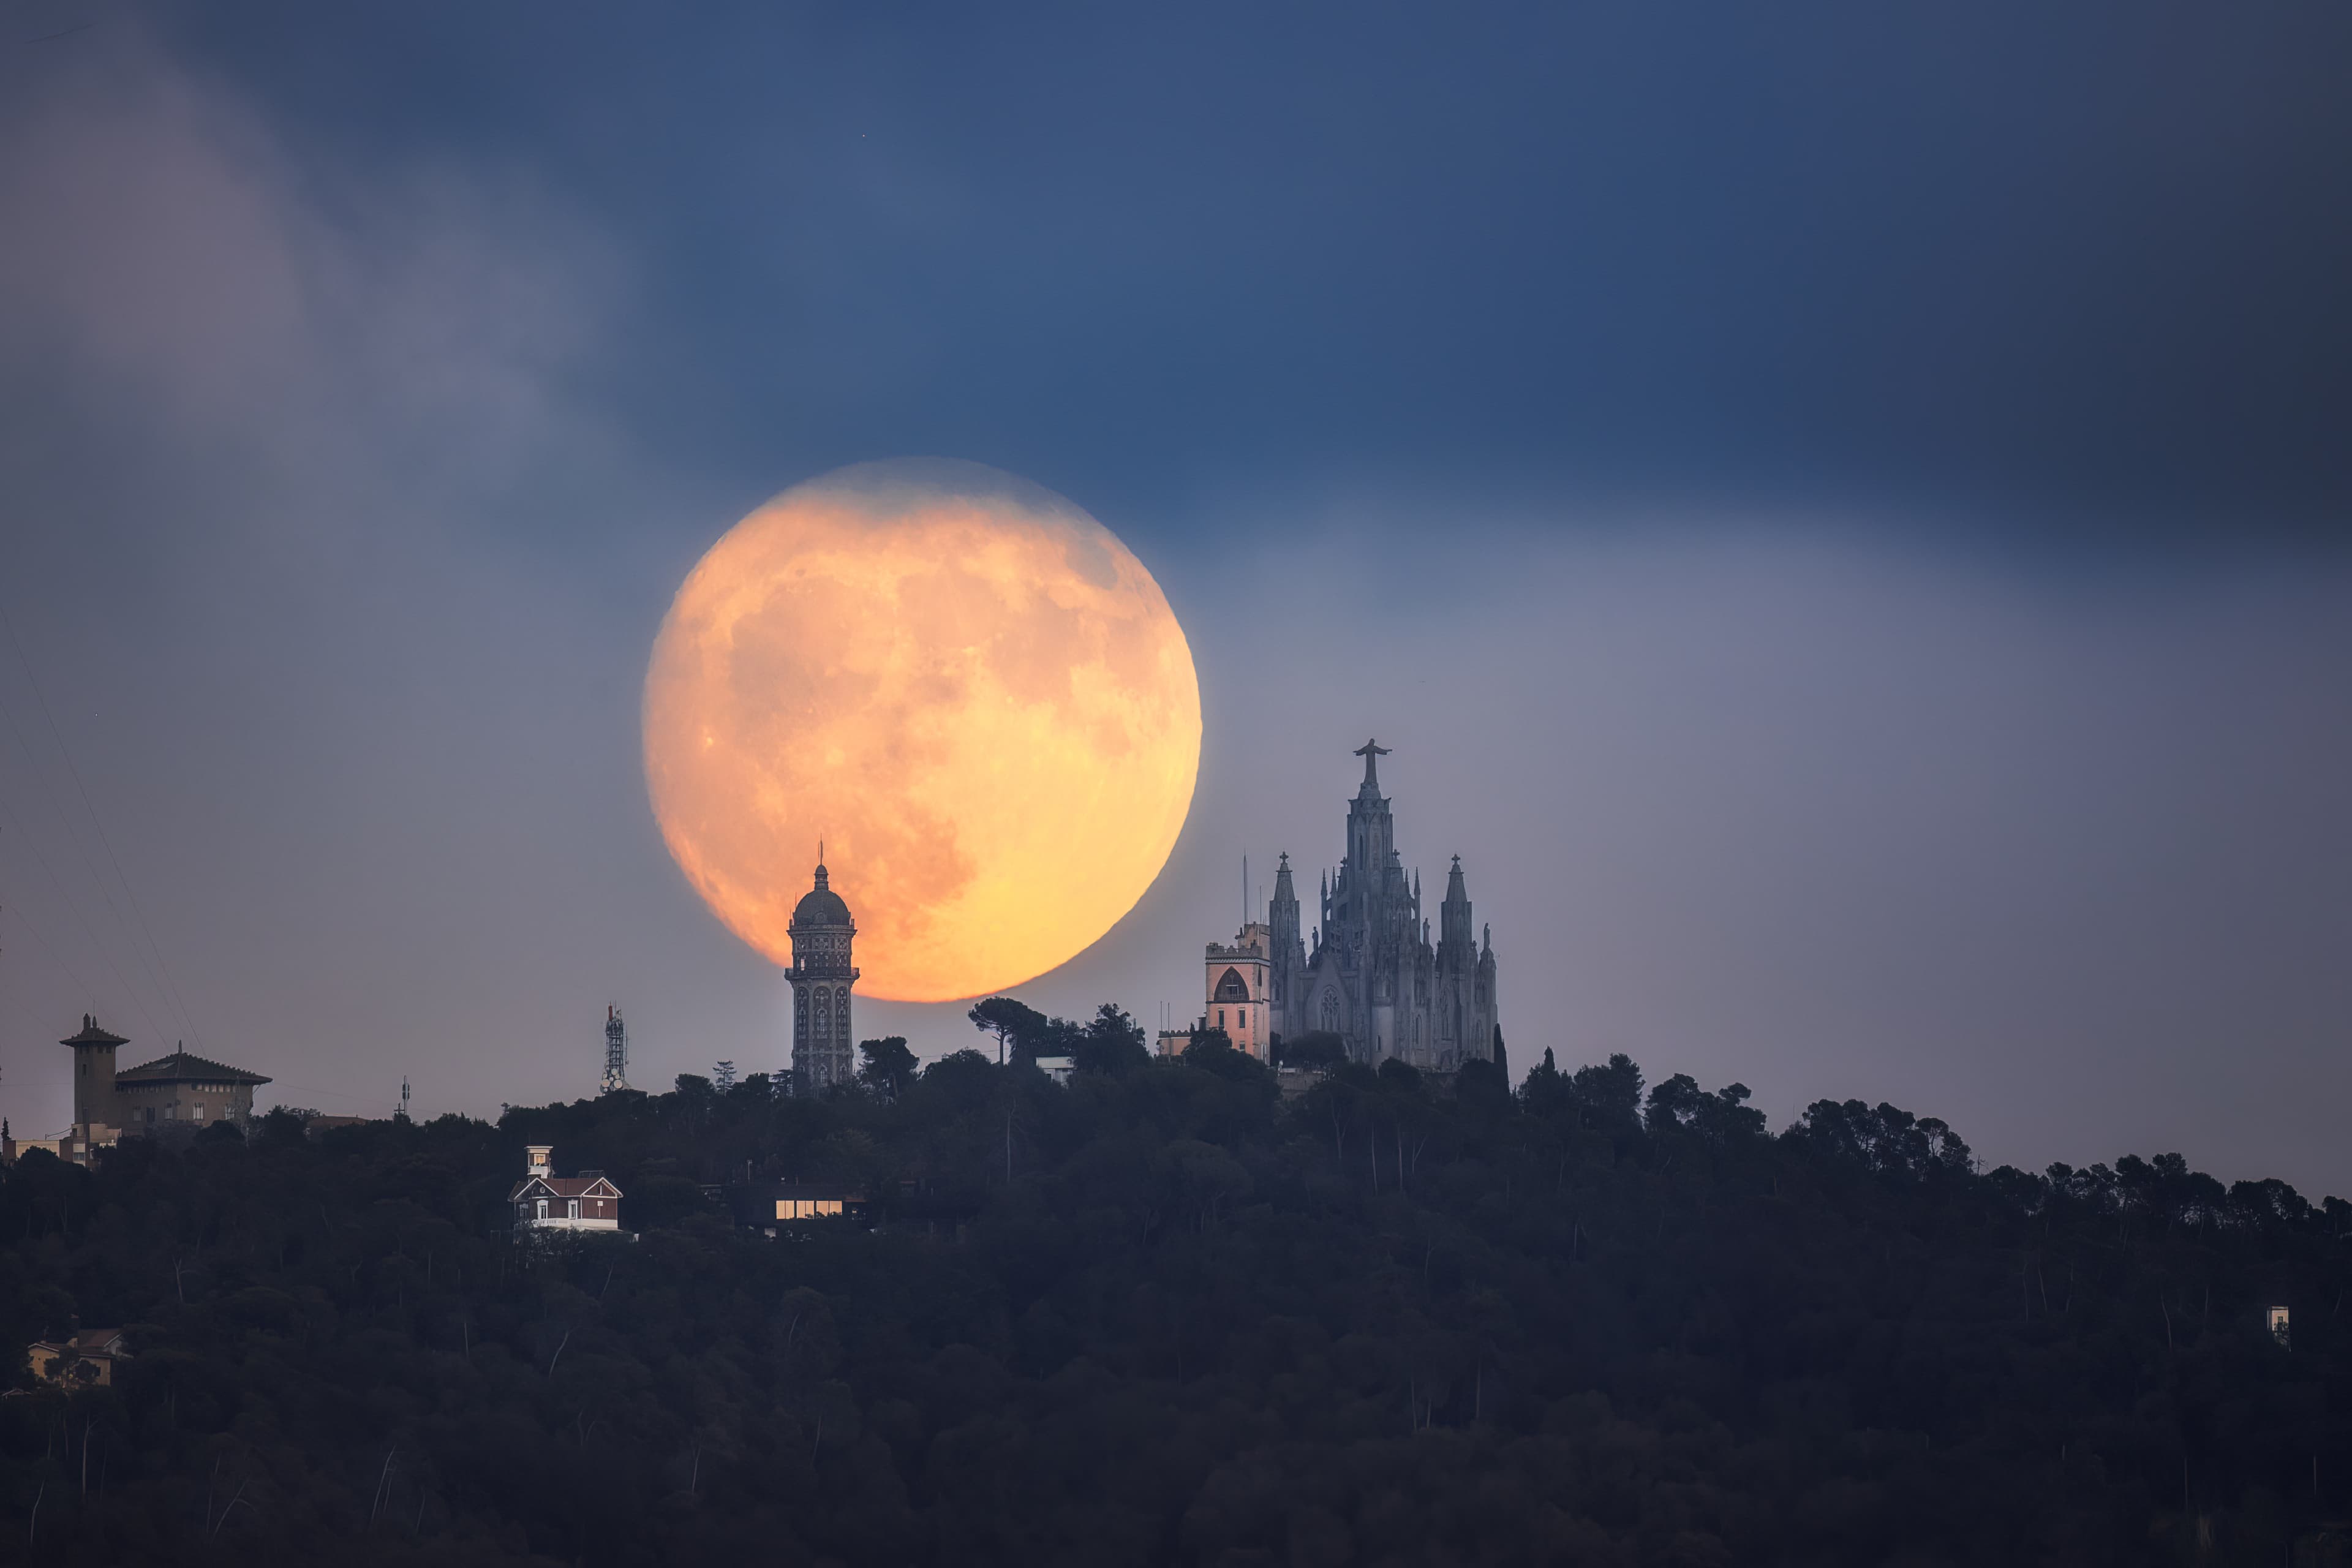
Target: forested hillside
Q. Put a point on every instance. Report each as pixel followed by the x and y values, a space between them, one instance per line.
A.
pixel 1164 1315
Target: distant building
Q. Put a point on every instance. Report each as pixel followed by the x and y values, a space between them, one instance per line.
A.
pixel 180 1092
pixel 66 1146
pixel 1239 987
pixel 775 1207
pixel 822 976
pixel 543 1201
pixel 87 1358
pixel 1057 1068
pixel 1372 977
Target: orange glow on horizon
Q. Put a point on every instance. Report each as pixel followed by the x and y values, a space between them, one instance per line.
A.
pixel 981 704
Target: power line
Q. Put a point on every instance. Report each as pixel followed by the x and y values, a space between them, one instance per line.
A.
pixel 56 957
pixel 105 957
pixel 159 971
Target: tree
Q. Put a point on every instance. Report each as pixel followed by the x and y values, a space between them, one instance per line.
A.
pixel 1313 1051
pixel 1483 1084
pixel 887 1065
pixel 1213 1050
pixel 1010 1021
pixel 1111 1043
pixel 1611 1095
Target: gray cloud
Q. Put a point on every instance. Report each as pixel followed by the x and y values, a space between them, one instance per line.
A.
pixel 338 523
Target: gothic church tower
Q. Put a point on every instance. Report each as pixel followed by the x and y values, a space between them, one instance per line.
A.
pixel 1372 977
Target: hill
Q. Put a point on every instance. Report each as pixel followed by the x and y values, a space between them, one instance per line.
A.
pixel 1162 1315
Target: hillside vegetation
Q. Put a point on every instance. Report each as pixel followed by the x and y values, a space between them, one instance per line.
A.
pixel 1163 1315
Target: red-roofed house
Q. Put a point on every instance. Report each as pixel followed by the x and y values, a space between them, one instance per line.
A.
pixel 545 1201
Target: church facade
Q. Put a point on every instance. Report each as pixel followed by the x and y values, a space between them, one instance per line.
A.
pixel 1372 976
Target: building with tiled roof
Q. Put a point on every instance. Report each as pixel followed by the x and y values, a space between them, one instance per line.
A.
pixel 180 1091
pixel 543 1201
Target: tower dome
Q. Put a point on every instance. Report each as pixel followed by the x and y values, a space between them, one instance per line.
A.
pixel 821 906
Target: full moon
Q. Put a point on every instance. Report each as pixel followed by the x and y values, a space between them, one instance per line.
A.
pixel 964 685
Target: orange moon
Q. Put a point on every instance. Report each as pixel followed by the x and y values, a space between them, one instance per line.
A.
pixel 965 686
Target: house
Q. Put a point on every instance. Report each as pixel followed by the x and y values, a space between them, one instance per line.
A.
pixel 1056 1067
pixel 66 1146
pixel 87 1358
pixel 543 1201
pixel 772 1207
pixel 177 1094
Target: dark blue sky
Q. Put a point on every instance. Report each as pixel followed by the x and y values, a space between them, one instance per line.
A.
pixel 1840 510
pixel 2083 266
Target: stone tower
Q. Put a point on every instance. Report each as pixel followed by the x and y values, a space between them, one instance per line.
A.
pixel 821 977
pixel 94 1094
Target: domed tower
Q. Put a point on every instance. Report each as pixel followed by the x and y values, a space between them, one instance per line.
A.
pixel 821 978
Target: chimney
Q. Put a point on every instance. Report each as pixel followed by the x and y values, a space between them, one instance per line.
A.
pixel 537 1156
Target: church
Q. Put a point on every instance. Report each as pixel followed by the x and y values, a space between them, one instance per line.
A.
pixel 1372 976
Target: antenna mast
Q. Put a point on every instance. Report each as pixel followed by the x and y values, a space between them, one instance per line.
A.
pixel 617 1051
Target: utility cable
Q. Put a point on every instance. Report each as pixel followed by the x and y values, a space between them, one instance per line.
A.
pixel 159 972
pixel 105 957
pixel 72 973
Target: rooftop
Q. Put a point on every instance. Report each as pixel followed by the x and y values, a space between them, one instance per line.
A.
pixel 182 1068
pixel 92 1034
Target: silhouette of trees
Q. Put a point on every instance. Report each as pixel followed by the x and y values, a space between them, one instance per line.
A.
pixel 1162 1315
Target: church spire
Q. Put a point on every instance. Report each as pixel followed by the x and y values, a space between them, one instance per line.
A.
pixel 1454 915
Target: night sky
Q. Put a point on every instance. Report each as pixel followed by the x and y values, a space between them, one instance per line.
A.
pixel 1840 511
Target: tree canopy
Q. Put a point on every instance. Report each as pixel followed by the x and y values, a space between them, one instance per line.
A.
pixel 1164 1314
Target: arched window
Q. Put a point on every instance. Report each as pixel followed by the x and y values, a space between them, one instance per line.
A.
pixel 1331 1011
pixel 1232 987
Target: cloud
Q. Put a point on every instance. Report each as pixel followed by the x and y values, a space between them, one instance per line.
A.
pixel 187 272
pixel 2057 857
pixel 280 423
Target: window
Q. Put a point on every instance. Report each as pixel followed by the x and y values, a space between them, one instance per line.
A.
pixel 543 1208
pixel 806 1209
pixel 571 1209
